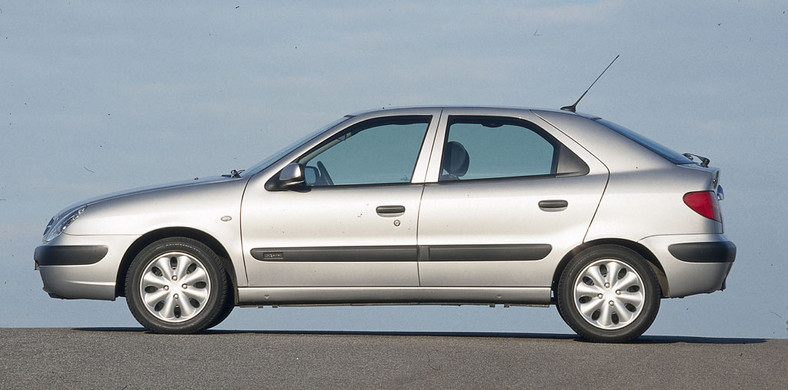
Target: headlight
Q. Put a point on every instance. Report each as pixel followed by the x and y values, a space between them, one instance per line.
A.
pixel 60 222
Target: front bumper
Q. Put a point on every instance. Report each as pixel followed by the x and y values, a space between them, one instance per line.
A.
pixel 69 254
pixel 81 267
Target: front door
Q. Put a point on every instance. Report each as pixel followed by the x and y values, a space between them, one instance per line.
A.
pixel 353 222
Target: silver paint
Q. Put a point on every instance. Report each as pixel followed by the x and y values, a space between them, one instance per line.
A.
pixel 630 196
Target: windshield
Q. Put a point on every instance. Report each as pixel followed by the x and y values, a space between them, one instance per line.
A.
pixel 665 152
pixel 289 148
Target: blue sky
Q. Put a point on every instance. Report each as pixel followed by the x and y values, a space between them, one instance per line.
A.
pixel 103 96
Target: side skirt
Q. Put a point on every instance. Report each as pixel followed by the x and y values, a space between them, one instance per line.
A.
pixel 393 295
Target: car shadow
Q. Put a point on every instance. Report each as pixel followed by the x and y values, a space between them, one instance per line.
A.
pixel 535 336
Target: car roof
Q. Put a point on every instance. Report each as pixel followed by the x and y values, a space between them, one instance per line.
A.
pixel 497 109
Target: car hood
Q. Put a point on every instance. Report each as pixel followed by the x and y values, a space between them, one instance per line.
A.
pixel 147 189
pixel 202 204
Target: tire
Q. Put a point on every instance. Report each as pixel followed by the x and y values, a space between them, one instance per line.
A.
pixel 177 285
pixel 608 294
pixel 225 311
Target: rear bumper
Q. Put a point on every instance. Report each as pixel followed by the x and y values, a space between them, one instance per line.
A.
pixel 704 252
pixel 694 263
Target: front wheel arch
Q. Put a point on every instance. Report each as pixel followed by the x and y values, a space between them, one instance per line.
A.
pixel 175 232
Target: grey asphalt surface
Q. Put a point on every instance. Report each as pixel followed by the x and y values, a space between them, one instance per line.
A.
pixel 134 359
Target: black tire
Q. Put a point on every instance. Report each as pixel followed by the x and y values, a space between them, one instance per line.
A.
pixel 229 305
pixel 177 285
pixel 617 290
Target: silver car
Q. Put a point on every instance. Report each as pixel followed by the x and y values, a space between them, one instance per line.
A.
pixel 437 205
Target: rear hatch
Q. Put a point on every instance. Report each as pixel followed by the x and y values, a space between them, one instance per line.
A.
pixel 704 202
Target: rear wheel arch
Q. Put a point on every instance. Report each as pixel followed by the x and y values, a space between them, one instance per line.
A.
pixel 656 267
pixel 156 235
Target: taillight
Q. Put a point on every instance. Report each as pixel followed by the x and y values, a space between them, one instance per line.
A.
pixel 704 203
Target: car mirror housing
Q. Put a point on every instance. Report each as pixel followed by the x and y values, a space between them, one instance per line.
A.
pixel 291 175
pixel 289 178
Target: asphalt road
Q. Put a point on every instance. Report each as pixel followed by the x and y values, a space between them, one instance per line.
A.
pixel 133 359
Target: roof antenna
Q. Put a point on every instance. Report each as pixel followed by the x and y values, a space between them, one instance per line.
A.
pixel 573 107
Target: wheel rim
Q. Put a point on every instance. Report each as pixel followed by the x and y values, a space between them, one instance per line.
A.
pixel 609 294
pixel 175 287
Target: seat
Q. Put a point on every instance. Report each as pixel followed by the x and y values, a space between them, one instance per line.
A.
pixel 455 161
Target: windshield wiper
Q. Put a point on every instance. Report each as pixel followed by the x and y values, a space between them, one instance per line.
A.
pixel 234 174
pixel 704 162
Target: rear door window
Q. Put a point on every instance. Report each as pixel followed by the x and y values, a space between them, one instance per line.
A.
pixel 495 147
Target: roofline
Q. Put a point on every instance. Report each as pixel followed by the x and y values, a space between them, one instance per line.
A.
pixel 471 107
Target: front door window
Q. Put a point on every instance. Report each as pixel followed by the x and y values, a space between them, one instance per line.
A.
pixel 380 151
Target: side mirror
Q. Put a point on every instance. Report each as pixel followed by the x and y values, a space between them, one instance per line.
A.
pixel 291 175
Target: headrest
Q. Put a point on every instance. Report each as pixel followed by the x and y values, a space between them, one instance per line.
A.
pixel 455 159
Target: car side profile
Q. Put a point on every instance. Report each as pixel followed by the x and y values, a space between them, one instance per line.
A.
pixel 427 205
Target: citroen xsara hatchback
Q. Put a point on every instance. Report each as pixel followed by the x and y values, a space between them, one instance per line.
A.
pixel 433 205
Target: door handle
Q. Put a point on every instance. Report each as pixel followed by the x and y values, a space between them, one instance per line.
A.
pixel 390 209
pixel 553 205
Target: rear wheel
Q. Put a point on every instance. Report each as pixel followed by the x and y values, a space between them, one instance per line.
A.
pixel 177 285
pixel 608 294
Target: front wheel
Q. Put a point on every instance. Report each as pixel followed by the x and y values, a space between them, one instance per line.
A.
pixel 177 285
pixel 608 294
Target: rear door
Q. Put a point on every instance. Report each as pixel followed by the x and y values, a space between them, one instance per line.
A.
pixel 509 197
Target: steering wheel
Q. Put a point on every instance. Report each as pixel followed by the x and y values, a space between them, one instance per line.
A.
pixel 324 173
